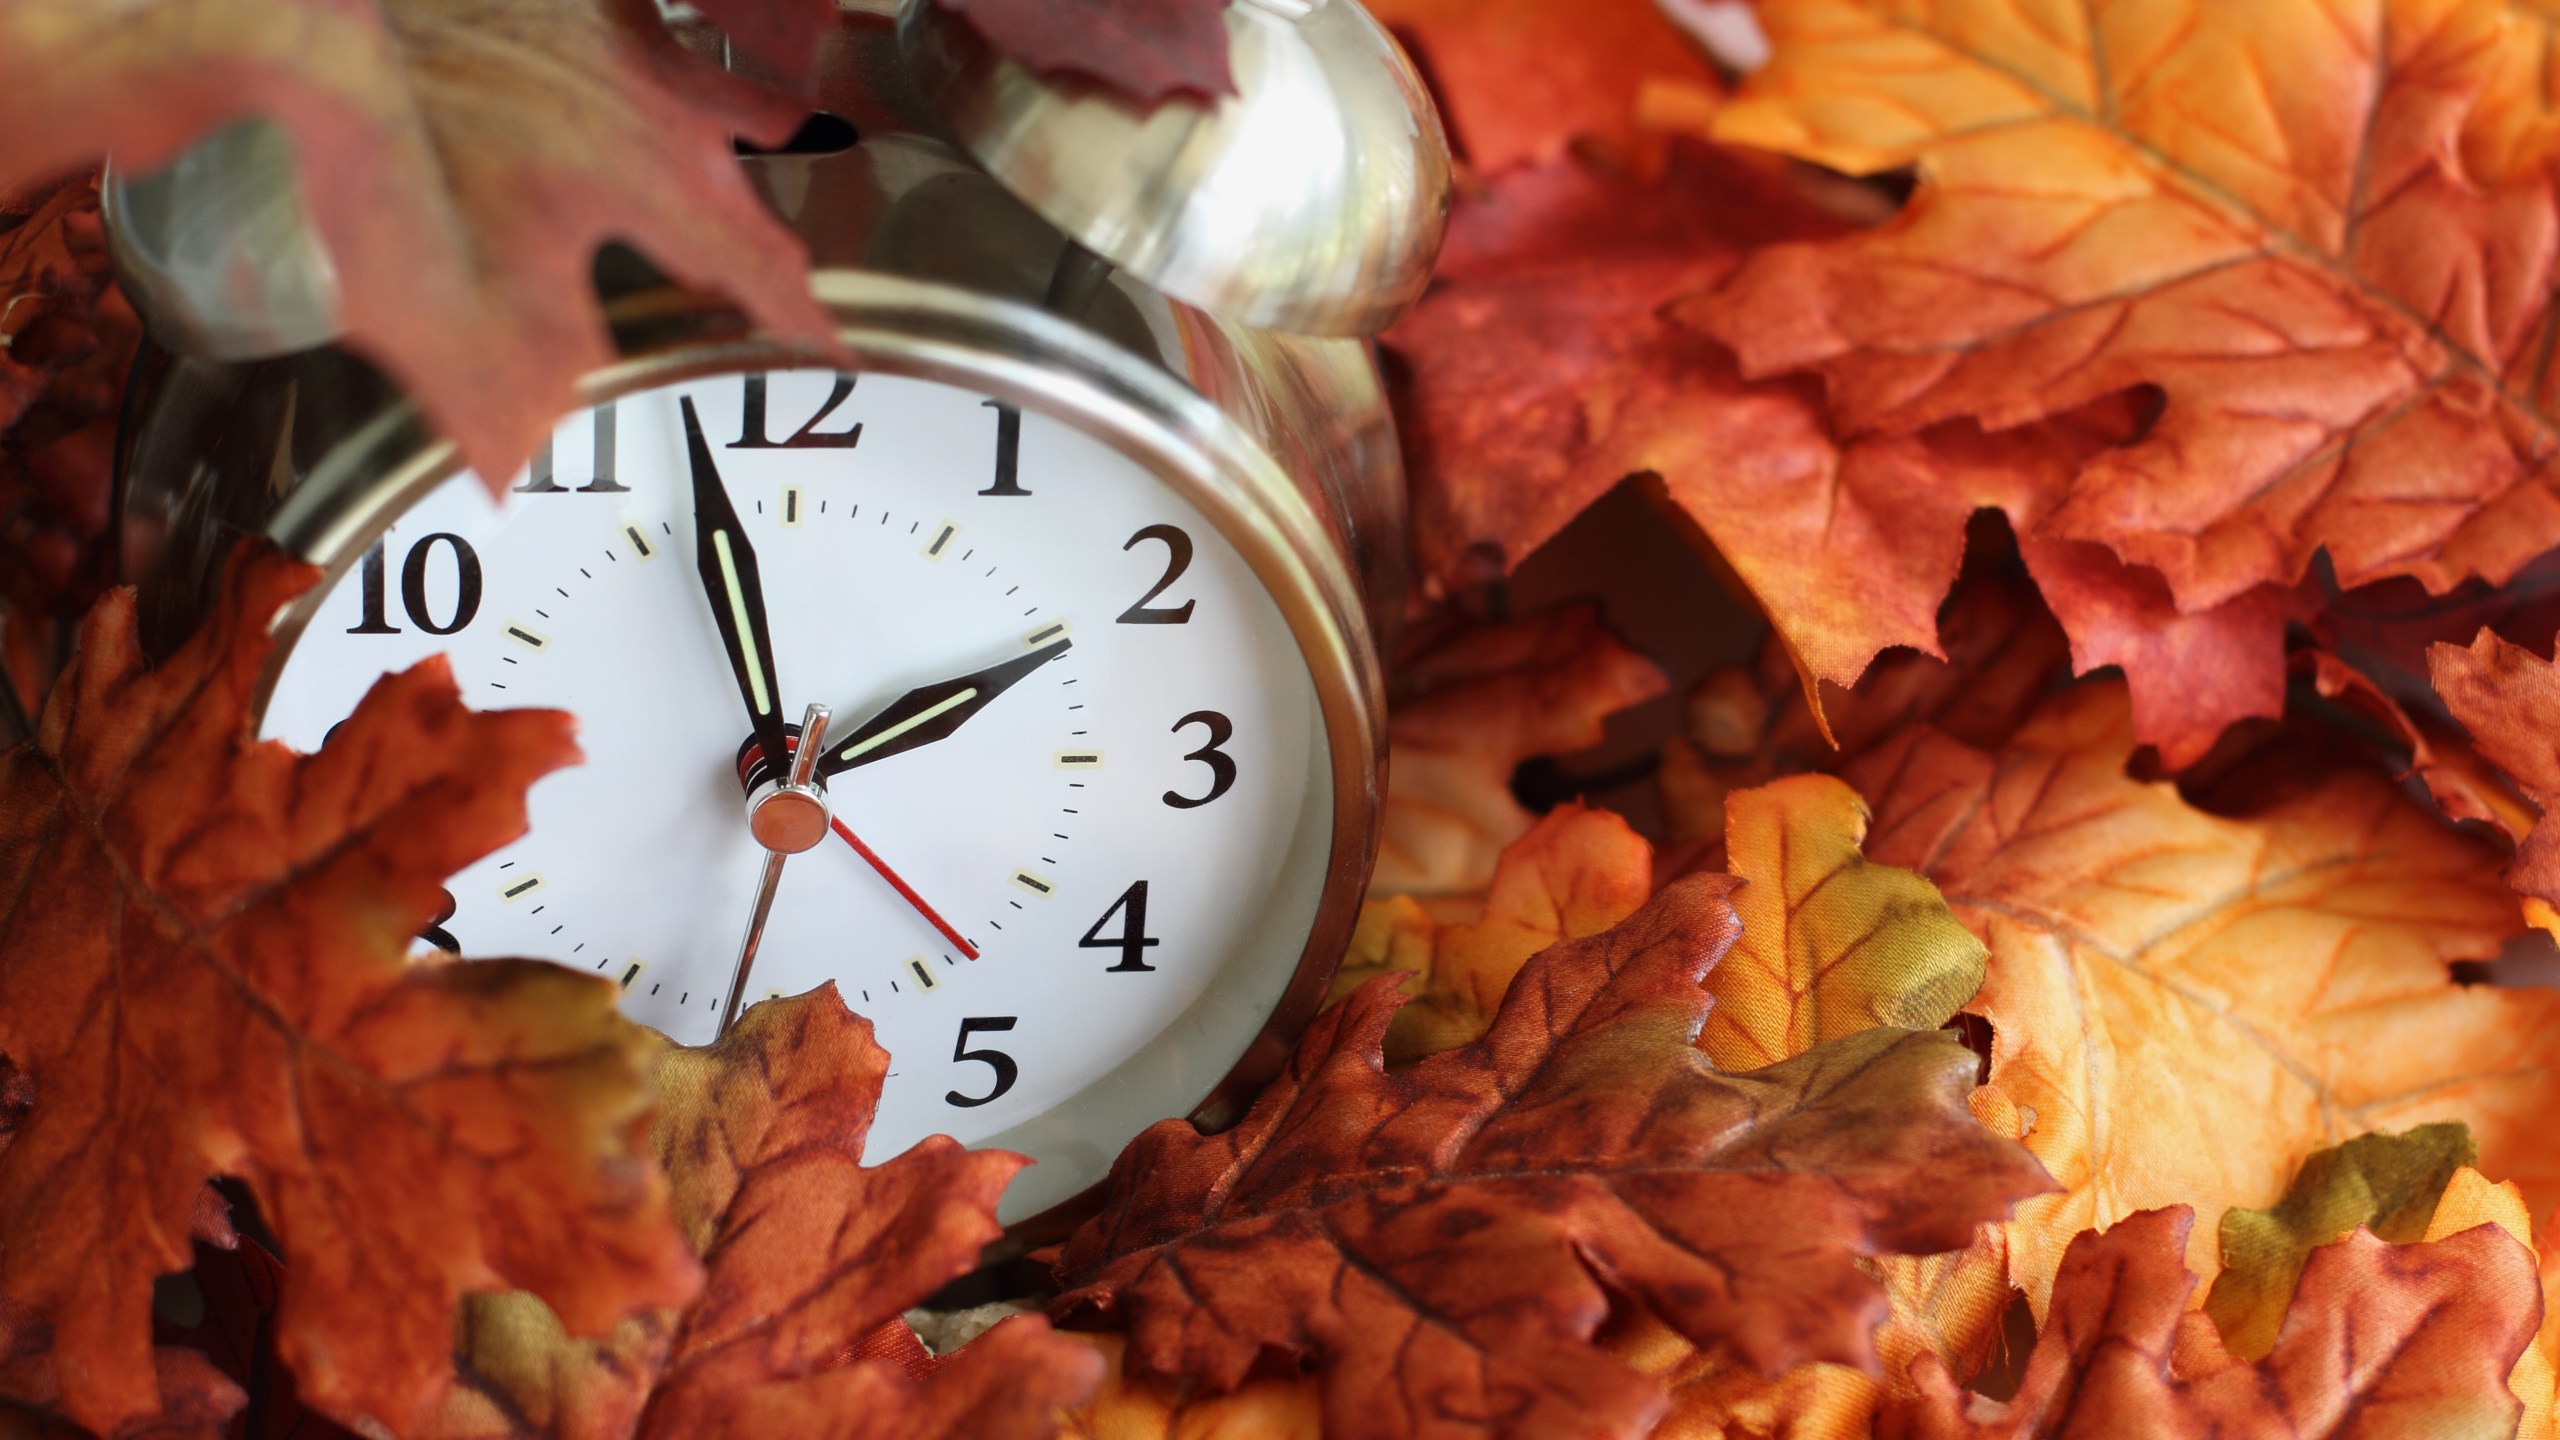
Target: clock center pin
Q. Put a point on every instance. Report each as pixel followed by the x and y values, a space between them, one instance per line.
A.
pixel 790 816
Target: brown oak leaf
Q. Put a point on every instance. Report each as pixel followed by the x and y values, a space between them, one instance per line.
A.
pixel 1549 363
pixel 1522 79
pixel 203 972
pixel 462 162
pixel 2509 699
pixel 1443 1243
pixel 1470 709
pixel 2311 233
pixel 806 1252
pixel 2183 1003
pixel 2383 1342
pixel 1146 50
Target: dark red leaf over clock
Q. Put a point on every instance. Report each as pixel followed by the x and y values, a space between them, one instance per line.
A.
pixel 1147 50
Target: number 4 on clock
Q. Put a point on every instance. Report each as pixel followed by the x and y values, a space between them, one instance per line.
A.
pixel 1133 941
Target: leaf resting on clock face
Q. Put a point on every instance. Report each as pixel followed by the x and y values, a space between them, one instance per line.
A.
pixel 203 972
pixel 806 1251
pixel 1443 1243
pixel 462 160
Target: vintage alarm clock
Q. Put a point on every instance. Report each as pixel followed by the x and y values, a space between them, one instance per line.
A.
pixel 1019 675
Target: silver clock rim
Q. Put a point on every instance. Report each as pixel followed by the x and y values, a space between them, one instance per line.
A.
pixel 1015 352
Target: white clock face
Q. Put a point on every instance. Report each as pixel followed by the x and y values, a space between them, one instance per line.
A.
pixel 1082 801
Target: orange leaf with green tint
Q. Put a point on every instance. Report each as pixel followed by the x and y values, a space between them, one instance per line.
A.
pixel 2182 1003
pixel 1832 943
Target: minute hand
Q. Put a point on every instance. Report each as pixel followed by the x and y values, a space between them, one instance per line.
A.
pixel 931 712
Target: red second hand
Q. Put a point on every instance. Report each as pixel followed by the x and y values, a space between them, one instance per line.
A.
pixel 904 890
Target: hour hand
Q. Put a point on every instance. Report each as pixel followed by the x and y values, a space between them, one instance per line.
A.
pixel 932 712
pixel 736 592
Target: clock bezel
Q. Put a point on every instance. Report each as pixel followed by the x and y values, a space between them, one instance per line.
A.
pixel 1025 356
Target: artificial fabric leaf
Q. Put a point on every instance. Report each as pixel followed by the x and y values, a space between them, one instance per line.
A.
pixel 1145 50
pixel 2383 1342
pixel 461 162
pixel 2470 1200
pixel 1469 710
pixel 66 340
pixel 2387 1184
pixel 2509 699
pixel 1442 1244
pixel 1129 1407
pixel 1519 80
pixel 2308 231
pixel 1832 943
pixel 1746 726
pixel 1576 873
pixel 806 1252
pixel 1543 370
pixel 203 972
pixel 2184 1003
pixel 2463 785
pixel 1713 1398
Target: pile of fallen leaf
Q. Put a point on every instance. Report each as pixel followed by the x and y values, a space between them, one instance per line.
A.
pixel 2055 989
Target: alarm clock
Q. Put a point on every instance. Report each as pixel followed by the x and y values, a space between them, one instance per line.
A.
pixel 1014 668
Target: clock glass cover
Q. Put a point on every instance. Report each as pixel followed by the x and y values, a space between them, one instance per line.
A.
pixel 1076 762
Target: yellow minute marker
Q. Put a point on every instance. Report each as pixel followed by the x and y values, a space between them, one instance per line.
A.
pixel 870 743
pixel 746 627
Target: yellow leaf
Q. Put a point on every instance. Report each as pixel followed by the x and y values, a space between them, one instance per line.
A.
pixel 1831 943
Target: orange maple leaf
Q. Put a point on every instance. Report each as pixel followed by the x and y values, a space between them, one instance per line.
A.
pixel 807 1251
pixel 1443 1243
pixel 202 972
pixel 2319 236
pixel 461 163
pixel 1549 363
pixel 2183 1004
